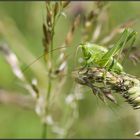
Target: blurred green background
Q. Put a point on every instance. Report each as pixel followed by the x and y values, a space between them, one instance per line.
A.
pixel 96 120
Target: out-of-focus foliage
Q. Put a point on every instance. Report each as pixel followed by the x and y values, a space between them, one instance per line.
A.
pixel 21 26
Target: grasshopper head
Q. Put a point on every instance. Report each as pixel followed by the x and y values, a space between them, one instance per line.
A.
pixel 85 50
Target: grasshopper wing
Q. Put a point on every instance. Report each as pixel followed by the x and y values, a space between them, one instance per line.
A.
pixel 127 35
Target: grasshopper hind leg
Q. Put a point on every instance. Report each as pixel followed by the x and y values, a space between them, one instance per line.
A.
pixel 111 65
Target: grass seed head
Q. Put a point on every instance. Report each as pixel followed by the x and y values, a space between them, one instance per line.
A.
pixel 125 85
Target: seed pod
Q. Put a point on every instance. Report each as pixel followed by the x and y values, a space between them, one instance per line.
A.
pixel 65 4
pixel 137 133
pixel 69 36
pixel 56 9
pixel 46 39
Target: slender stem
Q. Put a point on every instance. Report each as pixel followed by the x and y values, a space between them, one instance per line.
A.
pixel 44 131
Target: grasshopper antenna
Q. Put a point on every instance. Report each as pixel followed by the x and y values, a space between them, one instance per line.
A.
pixel 26 67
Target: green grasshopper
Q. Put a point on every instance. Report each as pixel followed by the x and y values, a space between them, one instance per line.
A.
pixel 98 55
pixel 104 58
